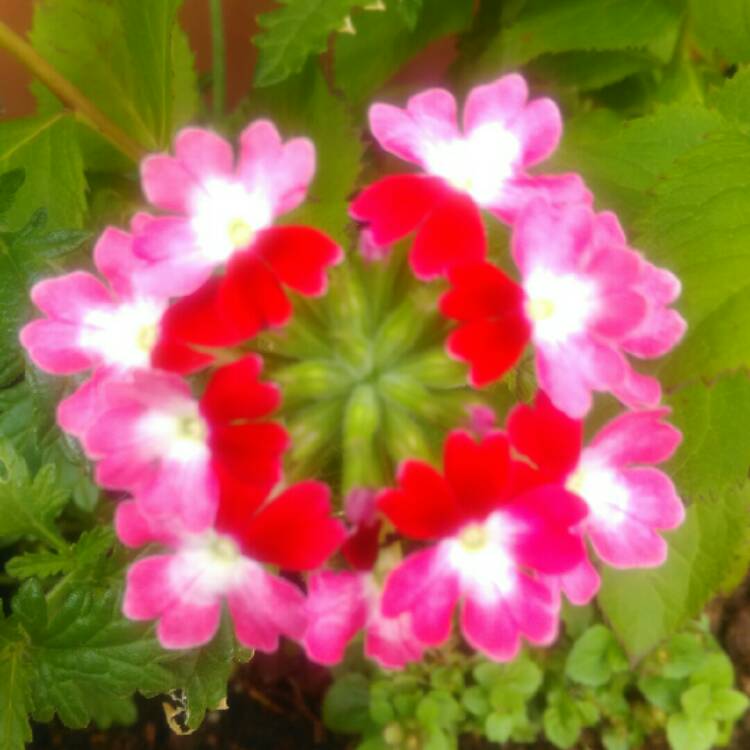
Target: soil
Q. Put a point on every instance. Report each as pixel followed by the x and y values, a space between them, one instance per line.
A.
pixel 275 705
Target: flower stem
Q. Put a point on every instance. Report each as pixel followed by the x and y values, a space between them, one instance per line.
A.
pixel 69 94
pixel 218 55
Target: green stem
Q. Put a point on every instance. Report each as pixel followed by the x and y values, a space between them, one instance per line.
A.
pixel 69 94
pixel 218 55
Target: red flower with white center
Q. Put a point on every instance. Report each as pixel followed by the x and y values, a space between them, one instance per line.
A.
pixel 489 546
pixel 586 299
pixel 341 603
pixel 90 325
pixel 629 501
pixel 483 167
pixel 225 213
pixel 176 454
pixel 225 560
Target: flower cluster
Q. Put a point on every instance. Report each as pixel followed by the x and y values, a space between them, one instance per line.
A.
pixel 511 519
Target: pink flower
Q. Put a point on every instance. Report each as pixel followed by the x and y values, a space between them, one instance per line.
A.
pixel 483 167
pixel 629 501
pixel 224 216
pixel 489 544
pixel 586 299
pixel 90 325
pixel 176 454
pixel 184 587
pixel 341 603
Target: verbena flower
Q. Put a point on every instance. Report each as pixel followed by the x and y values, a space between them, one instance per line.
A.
pixel 585 300
pixel 185 587
pixel 488 545
pixel 483 167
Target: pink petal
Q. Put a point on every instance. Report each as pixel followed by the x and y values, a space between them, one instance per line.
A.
pixel 660 333
pixel 167 184
pixel 500 101
pixel 620 313
pixel 636 438
pixel 80 410
pixel 558 373
pixel 628 544
pixel 425 587
pixel 638 391
pixel 134 529
pixel 539 127
pixel 53 347
pixel 336 610
pixel 204 154
pixel 148 590
pixel 653 498
pixel 71 297
pixel 264 608
pixel 390 641
pixel 580 585
pixel 116 261
pixel 188 625
pixel 434 113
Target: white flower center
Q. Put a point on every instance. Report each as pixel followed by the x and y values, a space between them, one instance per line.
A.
pixel 208 566
pixel 558 305
pixel 123 335
pixel 178 432
pixel 599 486
pixel 479 164
pixel 480 552
pixel 226 217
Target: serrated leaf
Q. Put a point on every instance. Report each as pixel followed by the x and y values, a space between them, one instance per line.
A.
pixel 700 552
pixel 28 506
pixel 122 55
pixel 723 27
pixel 45 147
pixel 383 43
pixel 15 698
pixel 304 105
pixel 698 229
pixel 202 674
pixel 43 564
pixel 623 160
pixel 89 661
pixel 566 25
pixel 293 32
pixel 733 98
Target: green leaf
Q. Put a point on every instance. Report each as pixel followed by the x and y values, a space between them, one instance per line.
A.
pixel 697 228
pixel 293 32
pixel 728 705
pixel 696 701
pixel 589 661
pixel 28 507
pixel 498 727
pixel 700 552
pixel 561 722
pixel 41 564
pixel 623 160
pixel 685 733
pixel 661 692
pixel 15 698
pixel 202 674
pixel 566 25
pixel 716 670
pixel 723 27
pixel 125 55
pixel 304 105
pixel 409 10
pixel 10 184
pixel 346 707
pixel 89 660
pixel 684 655
pixel 45 147
pixel 364 61
pixel 475 701
pixel 733 98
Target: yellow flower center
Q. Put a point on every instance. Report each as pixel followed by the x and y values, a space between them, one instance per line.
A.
pixel 473 537
pixel 575 482
pixel 240 233
pixel 146 337
pixel 191 428
pixel 540 309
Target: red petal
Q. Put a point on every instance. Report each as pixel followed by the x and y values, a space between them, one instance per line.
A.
pixel 424 507
pixel 299 256
pixel 491 347
pixel 480 290
pixel 394 206
pixel 250 453
pixel 238 502
pixel 478 472
pixel 295 531
pixel 547 436
pixel 452 235
pixel 251 294
pixel 235 393
pixel 362 546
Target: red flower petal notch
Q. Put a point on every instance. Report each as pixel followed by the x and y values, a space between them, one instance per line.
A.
pixel 483 167
pixel 491 546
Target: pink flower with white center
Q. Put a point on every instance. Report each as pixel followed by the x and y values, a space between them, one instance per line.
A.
pixel 90 325
pixel 629 501
pixel 489 545
pixel 184 588
pixel 482 167
pixel 585 300
pixel 225 213
pixel 341 603
pixel 175 453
